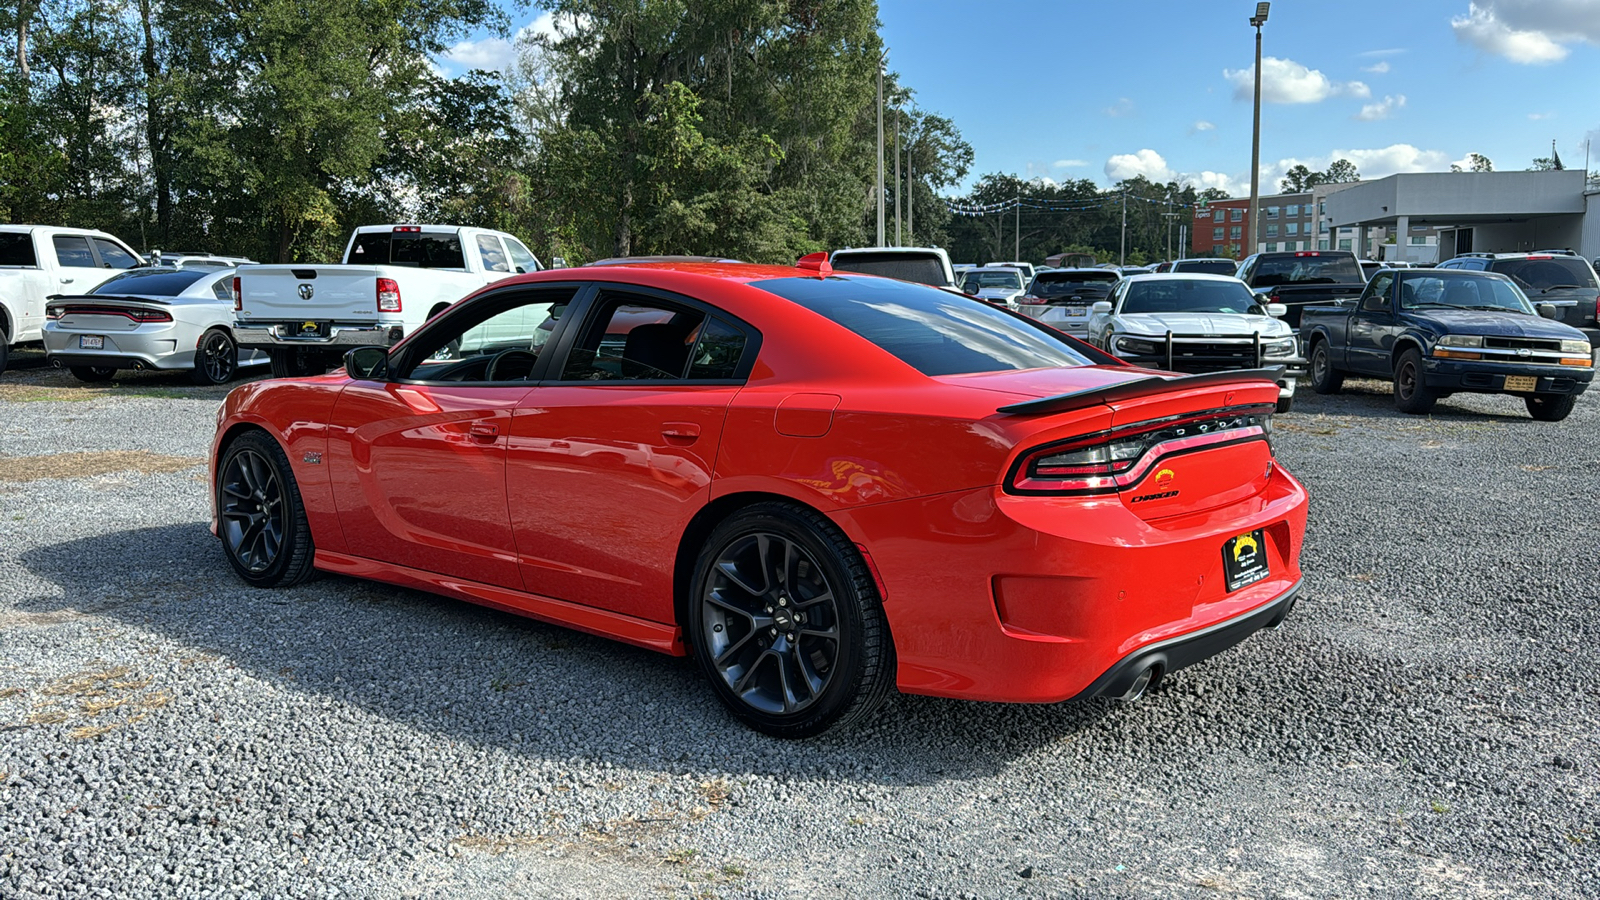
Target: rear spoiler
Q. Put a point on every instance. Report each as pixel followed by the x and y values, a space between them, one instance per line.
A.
pixel 117 298
pixel 1142 387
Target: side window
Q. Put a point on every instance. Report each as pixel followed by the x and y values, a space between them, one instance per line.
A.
pixel 114 257
pixel 497 337
pixel 521 260
pixel 222 288
pixel 494 257
pixel 634 338
pixel 717 353
pixel 1377 297
pixel 72 250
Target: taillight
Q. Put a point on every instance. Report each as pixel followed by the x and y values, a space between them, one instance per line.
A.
pixel 53 312
pixel 149 315
pixel 1109 461
pixel 388 295
pixel 1597 309
pixel 1029 298
pixel 238 298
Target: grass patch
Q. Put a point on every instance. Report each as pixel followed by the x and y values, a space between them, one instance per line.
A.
pixel 89 464
pixel 11 692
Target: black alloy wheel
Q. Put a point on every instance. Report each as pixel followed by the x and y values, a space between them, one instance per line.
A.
pixel 1411 394
pixel 259 515
pixel 1550 407
pixel 93 374
pixel 297 362
pixel 786 622
pixel 1325 379
pixel 216 358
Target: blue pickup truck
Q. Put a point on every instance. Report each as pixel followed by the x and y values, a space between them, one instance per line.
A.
pixel 1435 332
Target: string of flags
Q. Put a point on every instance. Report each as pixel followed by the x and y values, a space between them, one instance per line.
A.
pixel 961 208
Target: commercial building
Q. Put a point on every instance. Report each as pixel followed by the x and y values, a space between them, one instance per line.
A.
pixel 1287 223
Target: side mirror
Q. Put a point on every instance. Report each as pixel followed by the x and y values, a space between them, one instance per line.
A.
pixel 1277 310
pixel 1549 311
pixel 367 363
pixel 558 262
pixel 1100 308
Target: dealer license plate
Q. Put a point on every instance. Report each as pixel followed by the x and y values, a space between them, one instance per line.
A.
pixel 1244 559
pixel 91 342
pixel 1076 310
pixel 1522 383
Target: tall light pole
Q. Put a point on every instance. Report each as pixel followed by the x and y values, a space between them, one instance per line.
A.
pixel 881 61
pixel 1258 20
pixel 897 184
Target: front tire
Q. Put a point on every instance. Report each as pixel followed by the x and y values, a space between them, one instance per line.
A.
pixel 1550 407
pixel 1325 379
pixel 93 374
pixel 1285 404
pixel 296 362
pixel 786 623
pixel 5 348
pixel 260 518
pixel 216 358
pixel 1411 395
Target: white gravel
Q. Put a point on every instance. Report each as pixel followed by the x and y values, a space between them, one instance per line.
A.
pixel 1423 725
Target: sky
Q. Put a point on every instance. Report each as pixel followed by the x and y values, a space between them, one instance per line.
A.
pixel 1068 89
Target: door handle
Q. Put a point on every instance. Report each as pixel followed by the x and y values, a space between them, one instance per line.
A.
pixel 485 430
pixel 66 281
pixel 686 431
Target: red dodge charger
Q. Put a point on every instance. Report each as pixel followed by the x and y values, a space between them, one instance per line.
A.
pixel 822 486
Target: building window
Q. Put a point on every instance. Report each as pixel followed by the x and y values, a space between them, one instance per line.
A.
pixel 1344 245
pixel 1321 208
pixel 1289 245
pixel 1235 233
pixel 1322 227
pixel 1216 234
pixel 1419 239
pixel 1270 248
pixel 1272 231
pixel 1272 212
pixel 1216 216
pixel 1322 244
pixel 1236 214
pixel 1292 228
pixel 1292 210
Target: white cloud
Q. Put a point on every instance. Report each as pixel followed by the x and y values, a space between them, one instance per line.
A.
pixel 497 54
pixel 1069 163
pixel 1539 117
pixel 1373 163
pixel 1153 166
pixel 1388 51
pixel 1493 28
pixel 1381 67
pixel 1203 125
pixel 1286 81
pixel 1383 109
pixel 1120 109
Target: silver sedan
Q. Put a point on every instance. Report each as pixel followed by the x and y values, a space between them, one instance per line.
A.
pixel 149 318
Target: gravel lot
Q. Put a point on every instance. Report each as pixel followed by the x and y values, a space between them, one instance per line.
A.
pixel 1424 725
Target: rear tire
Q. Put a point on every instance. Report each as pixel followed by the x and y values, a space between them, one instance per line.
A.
pixel 1411 395
pixel 1550 407
pixel 5 348
pixel 260 518
pixel 296 362
pixel 786 622
pixel 1325 379
pixel 93 374
pixel 1285 403
pixel 216 358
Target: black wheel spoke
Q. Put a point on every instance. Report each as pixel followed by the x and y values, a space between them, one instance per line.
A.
pixel 731 570
pixel 735 647
pixel 715 599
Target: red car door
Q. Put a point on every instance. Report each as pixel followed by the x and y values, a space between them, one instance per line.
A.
pixel 420 478
pixel 612 456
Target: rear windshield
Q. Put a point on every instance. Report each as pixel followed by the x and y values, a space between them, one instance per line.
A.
pixel 417 249
pixel 1206 266
pixel 16 249
pixel 1539 275
pixel 1167 295
pixel 1061 284
pixel 1007 278
pixel 1272 271
pixel 904 266
pixel 933 331
pixel 152 282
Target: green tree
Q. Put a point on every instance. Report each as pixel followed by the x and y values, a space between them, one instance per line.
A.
pixel 1299 179
pixel 1340 171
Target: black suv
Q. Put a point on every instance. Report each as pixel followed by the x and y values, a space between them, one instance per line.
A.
pixel 1560 278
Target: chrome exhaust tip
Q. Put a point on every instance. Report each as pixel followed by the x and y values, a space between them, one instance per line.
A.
pixel 1141 683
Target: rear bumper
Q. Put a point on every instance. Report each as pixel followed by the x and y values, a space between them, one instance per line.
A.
pixel 1466 376
pixel 284 334
pixel 151 346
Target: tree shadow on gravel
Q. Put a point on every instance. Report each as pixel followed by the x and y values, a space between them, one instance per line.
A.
pixel 469 673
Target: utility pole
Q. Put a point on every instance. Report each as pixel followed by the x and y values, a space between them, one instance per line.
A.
pixel 1250 227
pixel 881 62
pixel 897 182
pixel 911 196
pixel 1122 253
pixel 1017 253
pixel 1183 242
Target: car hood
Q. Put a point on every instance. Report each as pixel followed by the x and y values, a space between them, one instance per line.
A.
pixel 1497 324
pixel 1219 324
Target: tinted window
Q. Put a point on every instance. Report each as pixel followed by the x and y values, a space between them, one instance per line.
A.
pixel 634 339
pixel 74 251
pixel 16 250
pixel 1061 284
pixel 494 256
pixel 935 332
pixel 113 255
pixel 1206 266
pixel 521 259
pixel 152 282
pixel 717 353
pixel 418 249
pixel 1329 269
pixel 904 266
pixel 1182 295
pixel 1534 274
pixel 1007 278
pixel 1437 289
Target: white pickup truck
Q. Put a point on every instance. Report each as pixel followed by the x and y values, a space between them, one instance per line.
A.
pixel 37 261
pixel 393 279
